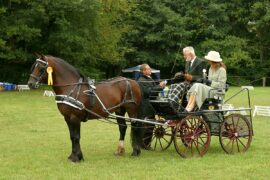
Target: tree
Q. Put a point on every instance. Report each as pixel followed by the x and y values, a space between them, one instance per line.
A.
pixel 157 33
pixel 109 48
pixel 259 25
pixel 162 28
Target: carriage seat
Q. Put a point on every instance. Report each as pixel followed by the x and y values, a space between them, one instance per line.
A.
pixel 217 101
pixel 163 107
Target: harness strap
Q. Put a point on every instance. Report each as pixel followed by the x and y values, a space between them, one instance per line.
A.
pixel 74 102
pixel 92 89
pixel 125 100
pixel 68 100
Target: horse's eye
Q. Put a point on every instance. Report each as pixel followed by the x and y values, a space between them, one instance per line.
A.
pixel 42 71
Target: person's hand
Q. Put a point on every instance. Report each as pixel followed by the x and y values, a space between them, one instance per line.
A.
pixel 201 80
pixel 188 77
pixel 207 82
pixel 179 75
pixel 162 84
pixel 204 81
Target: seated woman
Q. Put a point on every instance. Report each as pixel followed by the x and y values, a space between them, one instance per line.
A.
pixel 217 77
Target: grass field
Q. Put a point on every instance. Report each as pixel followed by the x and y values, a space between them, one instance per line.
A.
pixel 34 144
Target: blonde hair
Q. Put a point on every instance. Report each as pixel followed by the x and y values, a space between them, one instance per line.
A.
pixel 217 65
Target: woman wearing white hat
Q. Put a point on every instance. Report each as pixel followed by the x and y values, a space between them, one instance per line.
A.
pixel 217 78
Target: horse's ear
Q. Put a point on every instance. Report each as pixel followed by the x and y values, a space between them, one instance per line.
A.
pixel 37 54
pixel 44 57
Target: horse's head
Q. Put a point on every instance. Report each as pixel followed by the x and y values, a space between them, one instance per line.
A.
pixel 38 72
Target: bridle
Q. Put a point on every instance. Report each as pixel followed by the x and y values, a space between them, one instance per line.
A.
pixel 42 65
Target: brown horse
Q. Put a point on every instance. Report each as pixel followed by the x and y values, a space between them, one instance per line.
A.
pixel 78 100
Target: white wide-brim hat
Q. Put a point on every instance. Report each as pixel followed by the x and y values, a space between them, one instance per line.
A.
pixel 213 56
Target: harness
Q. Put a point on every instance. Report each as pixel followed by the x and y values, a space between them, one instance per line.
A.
pixel 72 98
pixel 68 100
pixel 93 97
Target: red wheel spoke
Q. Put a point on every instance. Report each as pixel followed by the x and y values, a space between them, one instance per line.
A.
pixel 192 138
pixel 201 143
pixel 225 138
pixel 232 144
pixel 168 134
pixel 153 137
pixel 155 146
pixel 237 122
pixel 147 137
pixel 228 142
pixel 165 139
pixel 160 144
pixel 237 145
pixel 191 147
pixel 241 142
pixel 201 138
pixel 196 145
pixel 235 134
pixel 232 121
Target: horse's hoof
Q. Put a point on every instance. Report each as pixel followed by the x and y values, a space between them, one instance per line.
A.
pixel 120 151
pixel 75 159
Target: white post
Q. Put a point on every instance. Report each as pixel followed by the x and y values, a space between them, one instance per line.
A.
pixel 255 109
pixel 264 81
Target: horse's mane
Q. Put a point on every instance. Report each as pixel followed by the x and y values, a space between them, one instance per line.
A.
pixel 68 66
pixel 114 80
pixel 85 79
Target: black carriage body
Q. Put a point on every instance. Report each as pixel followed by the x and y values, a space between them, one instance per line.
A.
pixel 233 127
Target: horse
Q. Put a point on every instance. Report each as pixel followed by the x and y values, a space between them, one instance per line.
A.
pixel 79 99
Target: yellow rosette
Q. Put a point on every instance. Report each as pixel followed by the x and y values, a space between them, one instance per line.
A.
pixel 49 71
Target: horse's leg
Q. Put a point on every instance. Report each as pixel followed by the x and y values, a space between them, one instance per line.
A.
pixel 122 129
pixel 74 126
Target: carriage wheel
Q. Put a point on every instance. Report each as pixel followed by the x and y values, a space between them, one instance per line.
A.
pixel 235 134
pixel 192 137
pixel 157 137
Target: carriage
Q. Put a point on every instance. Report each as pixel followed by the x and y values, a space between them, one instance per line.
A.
pixel 79 100
pixel 191 132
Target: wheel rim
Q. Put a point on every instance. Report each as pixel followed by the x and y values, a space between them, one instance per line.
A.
pixel 160 137
pixel 192 137
pixel 235 134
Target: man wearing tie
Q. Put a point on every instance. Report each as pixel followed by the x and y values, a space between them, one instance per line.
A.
pixel 193 71
pixel 194 66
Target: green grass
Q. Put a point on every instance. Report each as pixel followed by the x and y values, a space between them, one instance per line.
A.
pixel 34 144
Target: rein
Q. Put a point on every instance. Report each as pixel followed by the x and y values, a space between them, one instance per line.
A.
pixel 70 84
pixel 76 90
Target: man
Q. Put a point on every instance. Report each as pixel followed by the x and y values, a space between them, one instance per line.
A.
pixel 150 90
pixel 193 71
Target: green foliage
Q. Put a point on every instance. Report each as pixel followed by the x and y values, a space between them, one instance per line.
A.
pixel 234 53
pixel 156 33
pixel 97 35
pixel 163 28
pixel 84 33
